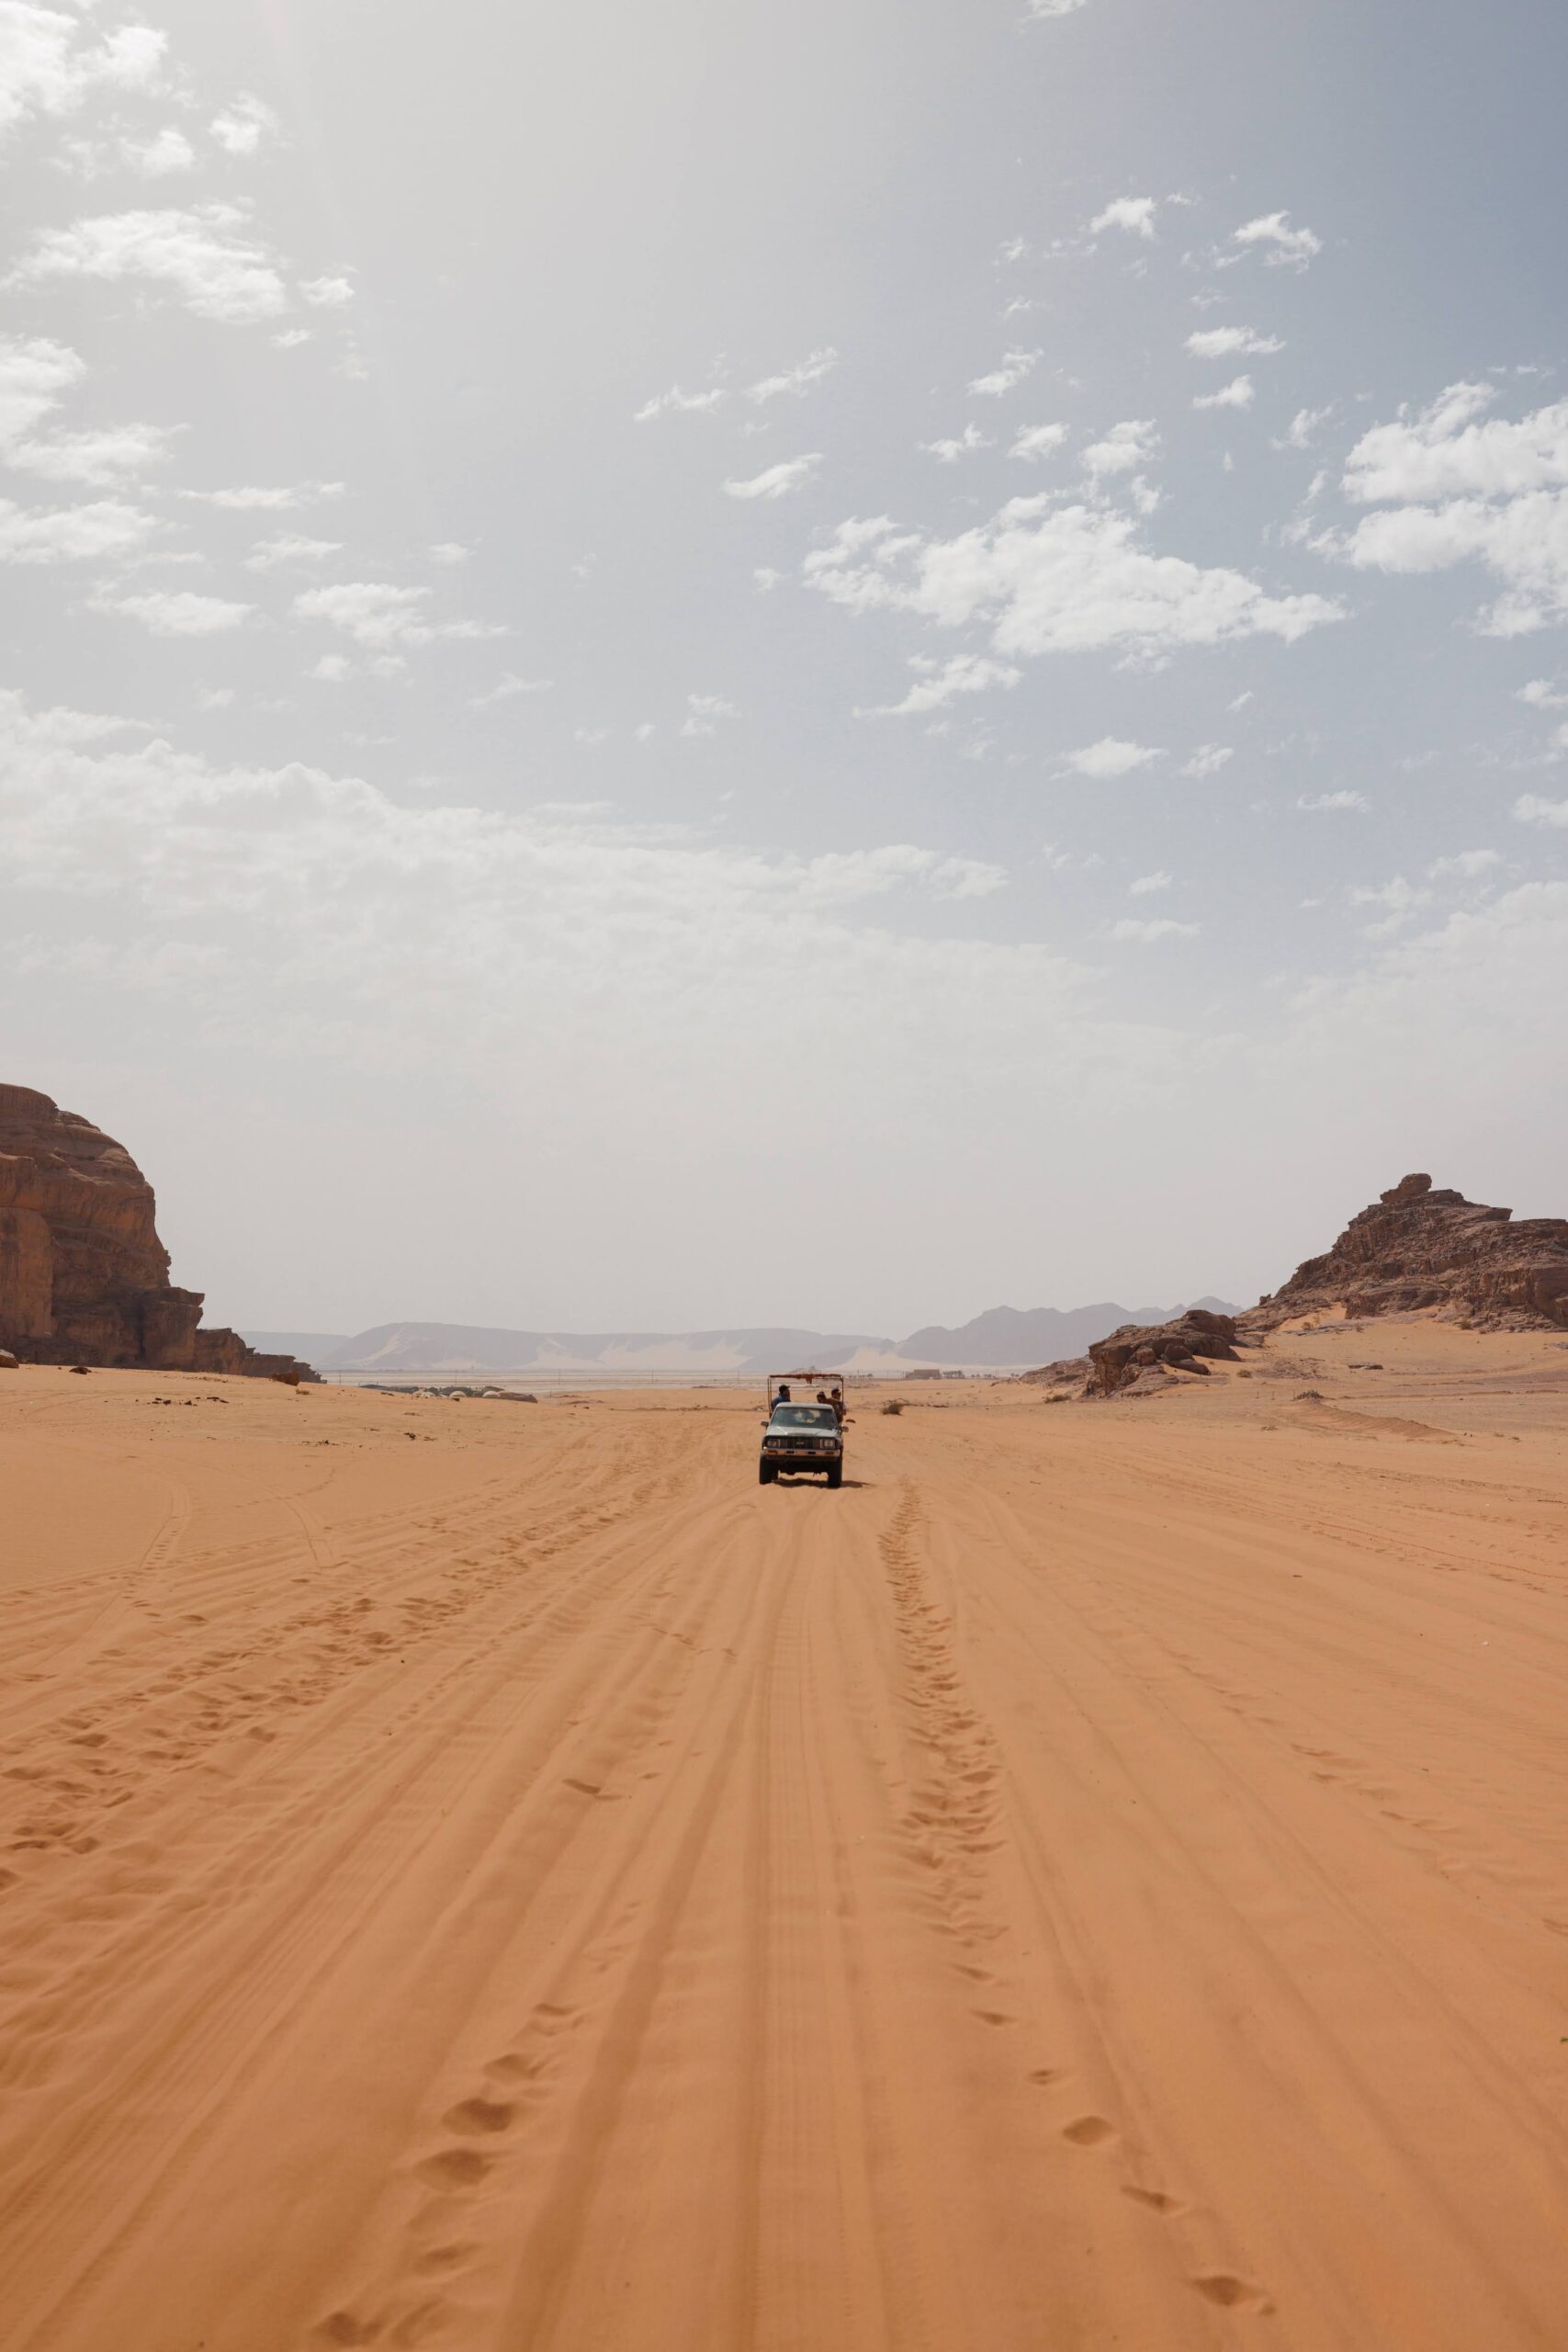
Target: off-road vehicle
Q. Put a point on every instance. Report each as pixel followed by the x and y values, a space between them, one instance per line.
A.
pixel 801 1437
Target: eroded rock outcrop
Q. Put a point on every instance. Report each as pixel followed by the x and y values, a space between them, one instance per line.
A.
pixel 1418 1248
pixel 83 1277
pixel 1182 1345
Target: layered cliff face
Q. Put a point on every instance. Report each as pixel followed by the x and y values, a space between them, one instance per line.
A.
pixel 83 1277
pixel 1416 1247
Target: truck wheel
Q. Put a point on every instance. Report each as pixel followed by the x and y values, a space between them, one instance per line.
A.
pixel 835 1474
pixel 766 1473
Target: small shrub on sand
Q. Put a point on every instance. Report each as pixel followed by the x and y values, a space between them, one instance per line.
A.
pixel 893 1405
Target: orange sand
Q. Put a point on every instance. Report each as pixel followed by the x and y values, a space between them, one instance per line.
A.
pixel 1098 1880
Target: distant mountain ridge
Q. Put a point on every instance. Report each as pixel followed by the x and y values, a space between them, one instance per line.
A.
pixel 1031 1335
pixel 1005 1337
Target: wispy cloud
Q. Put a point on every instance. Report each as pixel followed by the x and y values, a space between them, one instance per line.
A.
pixel 174 612
pixel 776 481
pixel 1146 885
pixel 676 400
pixel 704 713
pixel 375 613
pixel 274 555
pixel 267 498
pixel 966 674
pixel 1145 930
pixel 508 686
pixel 1223 342
pixel 1298 434
pixel 1207 760
pixel 1356 801
pixel 801 377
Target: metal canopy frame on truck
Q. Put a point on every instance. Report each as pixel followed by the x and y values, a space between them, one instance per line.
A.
pixel 777 1380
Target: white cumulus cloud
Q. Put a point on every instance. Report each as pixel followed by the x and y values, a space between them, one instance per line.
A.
pixel 1455 486
pixel 48 62
pixel 1110 758
pixel 332 293
pixel 1126 447
pixel 1038 441
pixel 1238 393
pixel 1280 242
pixel 962 446
pixel 204 253
pixel 1015 366
pixel 70 534
pixel 1133 213
pixel 1047 579
pixel 1530 809
pixel 242 126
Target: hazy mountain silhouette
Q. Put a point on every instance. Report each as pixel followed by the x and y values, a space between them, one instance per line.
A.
pixel 1004 1336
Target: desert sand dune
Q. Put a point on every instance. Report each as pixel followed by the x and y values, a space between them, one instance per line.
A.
pixel 492 1876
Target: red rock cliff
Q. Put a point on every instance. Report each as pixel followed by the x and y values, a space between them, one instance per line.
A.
pixel 83 1277
pixel 1416 1247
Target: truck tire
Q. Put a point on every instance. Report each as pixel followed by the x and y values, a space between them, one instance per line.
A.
pixel 835 1474
pixel 766 1473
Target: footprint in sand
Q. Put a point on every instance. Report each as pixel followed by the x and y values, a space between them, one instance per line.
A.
pixel 1089 2132
pixel 454 2169
pixel 472 2116
pixel 1235 2294
pixel 1155 2199
pixel 342 2327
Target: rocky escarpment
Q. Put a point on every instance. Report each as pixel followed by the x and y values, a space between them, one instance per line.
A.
pixel 1417 1248
pixel 83 1277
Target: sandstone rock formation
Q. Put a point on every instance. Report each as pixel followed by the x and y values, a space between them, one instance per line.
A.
pixel 1117 1363
pixel 1416 1248
pixel 83 1277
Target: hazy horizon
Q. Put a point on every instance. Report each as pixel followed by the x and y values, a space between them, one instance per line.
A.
pixel 675 670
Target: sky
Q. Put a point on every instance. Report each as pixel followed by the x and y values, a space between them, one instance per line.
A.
pixel 728 664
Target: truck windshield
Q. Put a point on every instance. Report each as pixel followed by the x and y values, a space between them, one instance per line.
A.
pixel 805 1416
